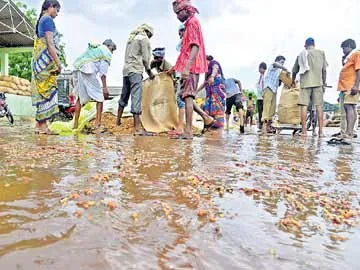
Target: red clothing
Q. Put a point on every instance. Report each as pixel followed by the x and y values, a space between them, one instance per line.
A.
pixel 192 36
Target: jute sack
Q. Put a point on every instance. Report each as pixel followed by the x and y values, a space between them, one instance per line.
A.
pixel 159 110
pixel 8 84
pixel 24 82
pixel 289 111
pixel 286 79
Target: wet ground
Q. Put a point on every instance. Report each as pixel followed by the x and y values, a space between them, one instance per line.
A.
pixel 217 202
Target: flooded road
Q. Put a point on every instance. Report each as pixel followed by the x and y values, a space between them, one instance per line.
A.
pixel 230 202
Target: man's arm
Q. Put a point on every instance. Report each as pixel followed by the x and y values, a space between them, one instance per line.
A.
pixel 105 89
pixel 146 56
pixel 277 65
pixel 193 54
pixel 104 67
pixel 355 89
pixel 295 70
pixel 324 75
pixel 239 84
pixel 324 72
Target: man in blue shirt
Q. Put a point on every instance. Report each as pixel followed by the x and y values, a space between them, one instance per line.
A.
pixel 233 90
pixel 271 84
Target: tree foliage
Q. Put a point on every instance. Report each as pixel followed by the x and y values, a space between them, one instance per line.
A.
pixel 20 63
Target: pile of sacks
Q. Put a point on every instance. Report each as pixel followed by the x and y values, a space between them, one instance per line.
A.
pixel 14 85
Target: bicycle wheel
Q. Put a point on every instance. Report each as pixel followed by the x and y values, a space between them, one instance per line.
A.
pixel 10 118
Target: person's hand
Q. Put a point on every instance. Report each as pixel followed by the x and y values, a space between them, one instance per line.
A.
pixel 106 93
pixel 151 75
pixel 211 80
pixel 56 71
pixel 185 74
pixel 170 71
pixel 354 91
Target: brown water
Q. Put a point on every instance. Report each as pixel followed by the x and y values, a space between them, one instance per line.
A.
pixel 230 202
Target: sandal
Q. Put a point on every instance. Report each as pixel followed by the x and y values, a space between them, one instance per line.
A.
pixel 183 137
pixel 208 127
pixel 337 141
pixel 144 134
pixel 174 132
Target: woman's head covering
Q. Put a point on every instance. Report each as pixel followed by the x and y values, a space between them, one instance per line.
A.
pixel 159 52
pixel 141 31
pixel 180 5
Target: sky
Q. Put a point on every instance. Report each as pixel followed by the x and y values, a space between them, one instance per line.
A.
pixel 240 34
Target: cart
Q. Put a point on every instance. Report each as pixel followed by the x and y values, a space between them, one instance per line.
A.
pixel 280 127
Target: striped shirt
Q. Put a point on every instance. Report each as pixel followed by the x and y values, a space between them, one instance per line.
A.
pixel 272 78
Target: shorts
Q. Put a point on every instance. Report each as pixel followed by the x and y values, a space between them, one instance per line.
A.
pixel 249 114
pixel 87 87
pixel 231 101
pixel 315 95
pixel 189 86
pixel 349 99
pixel 132 85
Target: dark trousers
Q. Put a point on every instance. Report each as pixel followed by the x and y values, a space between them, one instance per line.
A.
pixel 260 108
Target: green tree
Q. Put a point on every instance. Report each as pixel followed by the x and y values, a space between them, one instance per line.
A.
pixel 20 63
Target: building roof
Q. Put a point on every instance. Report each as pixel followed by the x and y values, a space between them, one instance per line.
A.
pixel 15 29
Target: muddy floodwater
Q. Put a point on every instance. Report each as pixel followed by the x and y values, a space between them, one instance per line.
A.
pixel 217 202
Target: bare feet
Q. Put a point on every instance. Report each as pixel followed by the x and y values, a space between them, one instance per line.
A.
pixel 118 121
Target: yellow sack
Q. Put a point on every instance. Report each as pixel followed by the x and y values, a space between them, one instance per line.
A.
pixel 286 79
pixel 24 82
pixel 15 80
pixel 289 111
pixel 8 84
pixel 159 109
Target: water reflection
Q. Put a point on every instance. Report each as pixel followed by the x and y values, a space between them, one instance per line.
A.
pixel 218 202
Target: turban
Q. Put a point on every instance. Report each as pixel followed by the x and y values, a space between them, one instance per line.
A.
pixel 141 31
pixel 180 5
pixel 159 52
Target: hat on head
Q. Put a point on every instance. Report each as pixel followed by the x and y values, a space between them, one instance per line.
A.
pixel 309 42
pixel 179 5
pixel 159 52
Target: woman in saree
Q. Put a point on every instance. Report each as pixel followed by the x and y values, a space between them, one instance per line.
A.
pixel 215 93
pixel 45 67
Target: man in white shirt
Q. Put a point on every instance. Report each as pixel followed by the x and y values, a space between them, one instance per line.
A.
pixel 91 65
pixel 260 86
